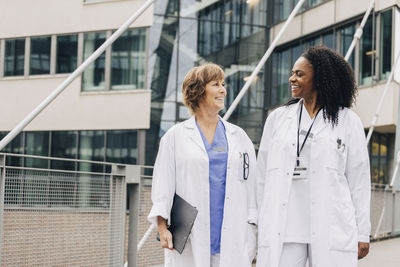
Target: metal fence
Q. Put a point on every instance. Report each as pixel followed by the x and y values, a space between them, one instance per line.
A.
pixel 77 216
pixel 385 212
pixel 54 217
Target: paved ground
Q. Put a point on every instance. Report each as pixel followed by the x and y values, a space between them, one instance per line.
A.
pixel 384 253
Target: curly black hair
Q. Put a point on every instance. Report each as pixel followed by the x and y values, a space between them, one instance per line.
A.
pixel 333 80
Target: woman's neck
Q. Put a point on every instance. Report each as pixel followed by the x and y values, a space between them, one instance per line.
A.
pixel 311 106
pixel 207 122
pixel 206 119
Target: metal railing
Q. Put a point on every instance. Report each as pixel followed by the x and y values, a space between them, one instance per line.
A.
pixel 56 217
pixel 385 212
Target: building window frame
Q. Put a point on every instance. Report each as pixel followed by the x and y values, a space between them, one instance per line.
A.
pixel 108 62
pixel 79 57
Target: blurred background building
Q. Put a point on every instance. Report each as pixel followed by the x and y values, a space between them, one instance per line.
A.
pixel 107 114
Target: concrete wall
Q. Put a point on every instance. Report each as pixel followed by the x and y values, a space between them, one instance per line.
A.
pixel 41 17
pixel 73 109
pixel 367 103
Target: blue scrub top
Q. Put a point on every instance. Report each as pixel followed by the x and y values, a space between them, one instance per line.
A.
pixel 218 158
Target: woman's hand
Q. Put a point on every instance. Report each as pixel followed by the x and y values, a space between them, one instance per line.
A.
pixel 165 234
pixel 363 249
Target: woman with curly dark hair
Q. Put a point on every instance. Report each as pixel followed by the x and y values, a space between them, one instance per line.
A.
pixel 313 170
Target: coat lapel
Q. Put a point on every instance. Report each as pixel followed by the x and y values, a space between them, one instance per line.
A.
pixel 319 124
pixel 194 133
pixel 230 131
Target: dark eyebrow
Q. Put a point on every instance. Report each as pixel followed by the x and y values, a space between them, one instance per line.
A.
pixel 297 71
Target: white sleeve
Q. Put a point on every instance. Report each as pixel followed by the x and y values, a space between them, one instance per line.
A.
pixel 358 175
pixel 163 184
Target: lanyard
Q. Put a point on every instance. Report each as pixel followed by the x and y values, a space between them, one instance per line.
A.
pixel 305 139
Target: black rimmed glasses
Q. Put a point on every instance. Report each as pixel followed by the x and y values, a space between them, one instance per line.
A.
pixel 245 166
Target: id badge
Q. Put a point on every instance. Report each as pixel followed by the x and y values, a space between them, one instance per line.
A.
pixel 300 170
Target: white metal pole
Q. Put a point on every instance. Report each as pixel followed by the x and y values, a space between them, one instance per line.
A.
pixel 396 169
pixel 359 31
pixel 262 62
pixel 375 118
pixel 14 132
pixel 145 236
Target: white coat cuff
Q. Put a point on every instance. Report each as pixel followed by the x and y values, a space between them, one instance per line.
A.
pixel 157 210
pixel 363 238
pixel 252 217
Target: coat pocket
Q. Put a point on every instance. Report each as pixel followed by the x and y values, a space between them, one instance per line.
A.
pixel 336 156
pixel 342 227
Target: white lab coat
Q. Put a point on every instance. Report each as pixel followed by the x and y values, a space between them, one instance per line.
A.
pixel 182 165
pixel 339 187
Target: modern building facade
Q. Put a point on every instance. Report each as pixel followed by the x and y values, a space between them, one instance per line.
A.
pixel 102 115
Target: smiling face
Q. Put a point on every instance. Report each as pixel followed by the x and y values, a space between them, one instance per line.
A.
pixel 214 98
pixel 301 79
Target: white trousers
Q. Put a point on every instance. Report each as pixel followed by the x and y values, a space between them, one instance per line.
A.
pixel 214 260
pixel 295 255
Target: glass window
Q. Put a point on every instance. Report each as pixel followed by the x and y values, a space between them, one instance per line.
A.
pixel 386 45
pixel 366 54
pixel 63 145
pixel 14 147
pixel 296 53
pixel 328 40
pixel 67 51
pixel 379 158
pixel 312 3
pixel 213 34
pixel 312 42
pixel 37 143
pixel 346 37
pixel 40 55
pixel 91 147
pixel 93 77
pixel 14 57
pixel 282 76
pixel 129 60
pixel 284 9
pixel 122 146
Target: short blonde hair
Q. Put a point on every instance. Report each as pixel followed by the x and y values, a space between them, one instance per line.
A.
pixel 194 84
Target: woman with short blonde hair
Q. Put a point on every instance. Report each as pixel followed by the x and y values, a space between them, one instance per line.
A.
pixel 210 163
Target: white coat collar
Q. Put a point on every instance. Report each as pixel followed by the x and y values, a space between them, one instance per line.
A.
pixel 320 123
pixel 191 124
pixel 195 134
